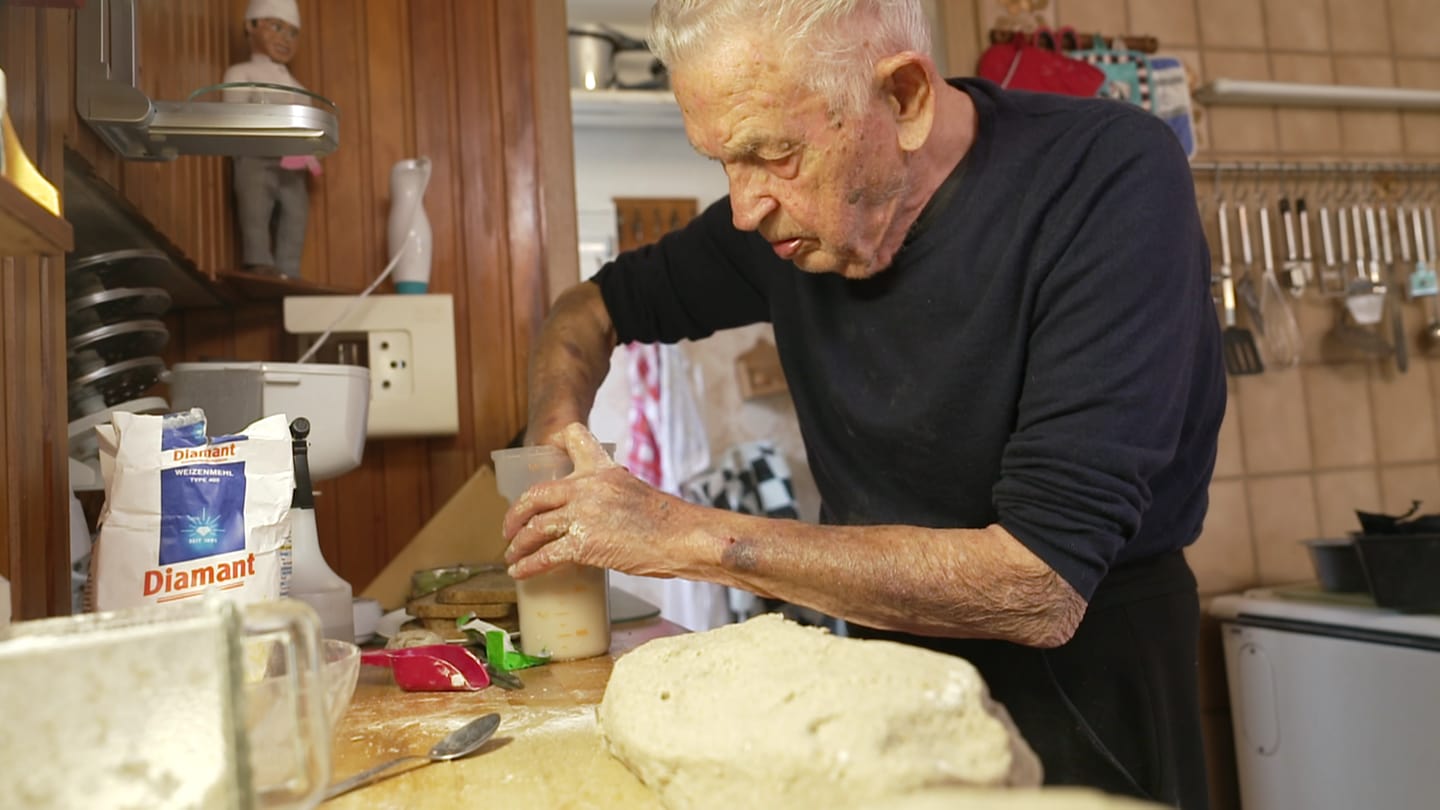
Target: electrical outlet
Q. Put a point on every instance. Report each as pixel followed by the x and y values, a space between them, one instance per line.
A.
pixel 410 351
pixel 392 364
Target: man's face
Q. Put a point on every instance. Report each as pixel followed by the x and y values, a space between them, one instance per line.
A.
pixel 823 189
pixel 274 38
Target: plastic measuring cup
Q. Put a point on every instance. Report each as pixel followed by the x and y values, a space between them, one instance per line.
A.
pixel 564 612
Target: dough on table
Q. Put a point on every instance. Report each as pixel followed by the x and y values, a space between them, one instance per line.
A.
pixel 772 714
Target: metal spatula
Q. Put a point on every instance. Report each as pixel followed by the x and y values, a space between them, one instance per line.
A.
pixel 1242 356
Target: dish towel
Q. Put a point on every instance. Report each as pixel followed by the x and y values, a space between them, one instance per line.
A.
pixel 752 478
pixel 667 444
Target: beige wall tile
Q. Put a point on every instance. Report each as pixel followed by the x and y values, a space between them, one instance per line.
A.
pixel 1359 26
pixel 1230 458
pixel 1092 16
pixel 1296 25
pixel 1404 414
pixel 1415 26
pixel 1231 23
pixel 1433 366
pixel 1339 494
pixel 1369 132
pixel 1223 557
pixel 1282 513
pixel 1314 314
pixel 1172 22
pixel 1337 401
pixel 1238 130
pixel 1305 131
pixel 1421 129
pixel 1402 485
pixel 1274 426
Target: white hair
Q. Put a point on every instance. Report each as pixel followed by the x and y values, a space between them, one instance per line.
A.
pixel 832 45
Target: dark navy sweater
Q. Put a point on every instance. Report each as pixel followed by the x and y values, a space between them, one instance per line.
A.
pixel 1043 352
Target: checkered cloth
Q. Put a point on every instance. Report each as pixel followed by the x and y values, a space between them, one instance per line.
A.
pixel 752 478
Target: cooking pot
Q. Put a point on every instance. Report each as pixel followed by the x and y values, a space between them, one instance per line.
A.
pixel 594 48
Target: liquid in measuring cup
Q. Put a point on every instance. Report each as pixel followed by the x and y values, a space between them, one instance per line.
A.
pixel 565 611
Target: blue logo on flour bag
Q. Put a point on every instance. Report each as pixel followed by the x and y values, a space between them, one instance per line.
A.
pixel 202 501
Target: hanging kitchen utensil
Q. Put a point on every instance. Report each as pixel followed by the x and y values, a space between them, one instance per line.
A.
pixel 1423 280
pixel 1307 256
pixel 1282 338
pixel 1365 302
pixel 1424 263
pixel 1332 279
pixel 1293 270
pixel 1241 354
pixel 1397 296
pixel 1245 287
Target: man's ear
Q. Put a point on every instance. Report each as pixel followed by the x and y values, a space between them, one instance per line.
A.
pixel 906 86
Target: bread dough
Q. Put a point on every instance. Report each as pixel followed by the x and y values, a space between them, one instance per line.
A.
pixel 770 713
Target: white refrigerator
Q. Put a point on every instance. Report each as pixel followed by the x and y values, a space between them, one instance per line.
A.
pixel 1335 706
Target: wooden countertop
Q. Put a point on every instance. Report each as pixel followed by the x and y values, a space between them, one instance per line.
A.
pixel 546 754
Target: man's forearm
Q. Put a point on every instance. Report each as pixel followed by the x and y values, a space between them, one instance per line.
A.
pixel 569 362
pixel 977 583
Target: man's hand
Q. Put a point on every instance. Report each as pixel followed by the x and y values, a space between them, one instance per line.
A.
pixel 599 515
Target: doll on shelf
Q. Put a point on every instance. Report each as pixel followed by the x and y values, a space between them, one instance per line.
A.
pixel 270 191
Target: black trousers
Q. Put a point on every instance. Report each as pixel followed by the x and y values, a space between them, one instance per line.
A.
pixel 1117 707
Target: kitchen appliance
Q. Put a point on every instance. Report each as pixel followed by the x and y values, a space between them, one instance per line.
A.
pixel 110 101
pixel 335 398
pixel 594 50
pixel 1333 704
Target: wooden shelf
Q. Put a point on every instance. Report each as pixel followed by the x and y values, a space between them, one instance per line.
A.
pixel 625 109
pixel 244 285
pixel 27 228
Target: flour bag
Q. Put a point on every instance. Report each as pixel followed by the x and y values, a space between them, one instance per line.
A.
pixel 185 514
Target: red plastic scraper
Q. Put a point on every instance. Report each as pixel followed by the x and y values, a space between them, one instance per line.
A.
pixel 432 668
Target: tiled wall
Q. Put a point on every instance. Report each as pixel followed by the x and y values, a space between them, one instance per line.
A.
pixel 1302 449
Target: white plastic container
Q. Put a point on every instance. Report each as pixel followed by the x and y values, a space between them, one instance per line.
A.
pixel 335 398
pixel 564 612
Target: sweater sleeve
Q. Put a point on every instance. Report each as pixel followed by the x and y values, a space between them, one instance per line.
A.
pixel 695 281
pixel 1120 307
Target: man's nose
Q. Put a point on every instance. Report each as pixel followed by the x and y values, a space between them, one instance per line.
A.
pixel 750 203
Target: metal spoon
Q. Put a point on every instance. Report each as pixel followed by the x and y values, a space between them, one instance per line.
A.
pixel 458 743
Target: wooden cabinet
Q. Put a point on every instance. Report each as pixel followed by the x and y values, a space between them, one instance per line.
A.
pixel 476 86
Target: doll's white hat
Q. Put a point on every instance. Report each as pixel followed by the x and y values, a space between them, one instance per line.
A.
pixel 285 10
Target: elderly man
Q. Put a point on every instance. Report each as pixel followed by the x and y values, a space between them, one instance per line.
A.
pixel 993 312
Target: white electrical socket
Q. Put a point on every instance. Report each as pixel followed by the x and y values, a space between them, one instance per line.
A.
pixel 392 364
pixel 411 353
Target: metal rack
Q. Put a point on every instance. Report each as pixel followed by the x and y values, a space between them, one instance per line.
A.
pixel 1298 94
pixel 1382 174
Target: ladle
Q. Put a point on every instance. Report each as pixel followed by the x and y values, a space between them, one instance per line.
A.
pixel 458 743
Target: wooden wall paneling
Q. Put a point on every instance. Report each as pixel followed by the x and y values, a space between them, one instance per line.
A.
pixel 435 37
pixel 490 262
pixel 349 253
pixel 208 334
pixel 556 148
pixel 255 334
pixel 358 497
pixel 406 484
pixel 529 299
pixel 34 551
pixel 54 97
pixel 388 120
pixel 10 549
